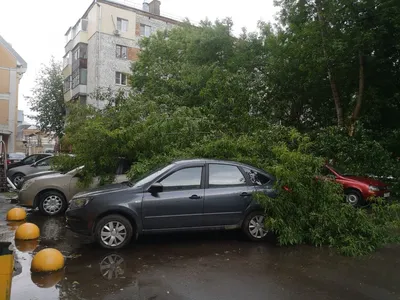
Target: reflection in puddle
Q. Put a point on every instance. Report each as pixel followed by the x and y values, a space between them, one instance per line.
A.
pixel 26 246
pixel 47 280
pixel 112 266
pixel 13 225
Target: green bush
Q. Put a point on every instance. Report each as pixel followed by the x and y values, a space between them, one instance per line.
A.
pixel 358 155
pixel 314 211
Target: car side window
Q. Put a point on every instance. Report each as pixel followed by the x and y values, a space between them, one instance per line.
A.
pixel 184 179
pixel 30 159
pixel 44 163
pixel 256 178
pixel 225 175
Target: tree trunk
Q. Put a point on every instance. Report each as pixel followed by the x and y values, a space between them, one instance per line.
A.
pixel 361 84
pixel 331 75
pixel 336 99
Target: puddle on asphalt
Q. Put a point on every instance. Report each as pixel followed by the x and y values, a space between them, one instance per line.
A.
pixel 190 266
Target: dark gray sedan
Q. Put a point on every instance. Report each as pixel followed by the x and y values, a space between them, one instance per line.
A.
pixel 187 195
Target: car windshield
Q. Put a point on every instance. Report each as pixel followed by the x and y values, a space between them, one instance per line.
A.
pixel 151 176
pixel 339 170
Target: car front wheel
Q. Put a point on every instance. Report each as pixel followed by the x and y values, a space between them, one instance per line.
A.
pixel 16 179
pixel 52 203
pixel 354 198
pixel 113 232
pixel 254 227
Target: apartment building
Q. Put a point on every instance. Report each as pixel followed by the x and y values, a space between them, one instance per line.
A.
pixel 12 68
pixel 102 45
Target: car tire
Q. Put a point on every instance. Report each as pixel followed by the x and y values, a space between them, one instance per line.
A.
pixel 16 179
pixel 254 228
pixel 354 198
pixel 113 232
pixel 52 203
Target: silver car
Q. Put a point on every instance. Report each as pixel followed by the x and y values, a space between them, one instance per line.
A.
pixel 17 174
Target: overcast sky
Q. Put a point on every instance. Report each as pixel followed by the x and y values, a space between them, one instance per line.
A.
pixel 36 28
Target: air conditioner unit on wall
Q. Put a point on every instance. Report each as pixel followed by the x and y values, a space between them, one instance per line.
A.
pixel 116 32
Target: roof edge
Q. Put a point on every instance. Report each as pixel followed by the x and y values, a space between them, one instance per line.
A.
pixel 10 49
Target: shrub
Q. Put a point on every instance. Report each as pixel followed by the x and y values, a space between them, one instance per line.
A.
pixel 314 211
pixel 358 155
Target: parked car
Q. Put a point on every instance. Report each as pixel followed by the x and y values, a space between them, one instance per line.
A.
pixel 358 190
pixel 186 195
pixel 51 193
pixel 16 174
pixel 38 174
pixel 28 160
pixel 15 157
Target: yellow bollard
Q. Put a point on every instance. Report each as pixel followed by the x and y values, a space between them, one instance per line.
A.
pixel 16 214
pixel 6 270
pixel 27 231
pixel 47 260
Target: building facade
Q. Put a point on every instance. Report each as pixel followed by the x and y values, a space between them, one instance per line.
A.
pixel 102 45
pixel 12 67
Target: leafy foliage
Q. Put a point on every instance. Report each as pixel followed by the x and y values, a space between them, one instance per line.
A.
pixel 47 100
pixel 265 99
pixel 314 212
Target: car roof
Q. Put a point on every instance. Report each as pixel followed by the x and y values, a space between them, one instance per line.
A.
pixel 218 161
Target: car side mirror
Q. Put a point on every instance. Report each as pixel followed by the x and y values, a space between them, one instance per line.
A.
pixel 155 188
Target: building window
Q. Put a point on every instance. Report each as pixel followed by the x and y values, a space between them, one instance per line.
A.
pixel 121 52
pixel 67 84
pixel 122 25
pixel 75 78
pixel 120 78
pixel 145 30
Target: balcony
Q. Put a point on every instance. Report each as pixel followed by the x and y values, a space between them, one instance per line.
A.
pixel 77 34
pixel 80 63
pixel 78 90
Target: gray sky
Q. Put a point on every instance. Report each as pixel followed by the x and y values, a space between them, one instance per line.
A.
pixel 36 28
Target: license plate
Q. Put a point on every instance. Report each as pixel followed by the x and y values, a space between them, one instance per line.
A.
pixel 386 195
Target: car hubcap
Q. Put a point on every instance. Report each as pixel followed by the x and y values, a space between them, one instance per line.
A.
pixel 257 227
pixel 111 266
pixel 113 234
pixel 52 204
pixel 352 199
pixel 17 180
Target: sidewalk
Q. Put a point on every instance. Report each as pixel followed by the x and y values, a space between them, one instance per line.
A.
pixel 6 235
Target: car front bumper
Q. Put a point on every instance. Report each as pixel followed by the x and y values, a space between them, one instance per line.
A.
pixel 25 199
pixel 77 221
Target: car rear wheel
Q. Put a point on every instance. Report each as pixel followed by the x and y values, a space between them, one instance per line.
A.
pixel 52 203
pixel 17 178
pixel 113 232
pixel 354 198
pixel 254 227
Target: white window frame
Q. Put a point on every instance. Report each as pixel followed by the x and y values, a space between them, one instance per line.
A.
pixel 119 78
pixel 122 24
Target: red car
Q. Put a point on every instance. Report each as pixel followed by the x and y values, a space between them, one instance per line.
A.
pixel 358 189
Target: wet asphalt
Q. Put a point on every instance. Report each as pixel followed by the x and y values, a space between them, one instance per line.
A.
pixel 213 265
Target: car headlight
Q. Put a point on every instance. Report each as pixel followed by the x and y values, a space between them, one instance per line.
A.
pixel 26 185
pixel 78 202
pixel 374 188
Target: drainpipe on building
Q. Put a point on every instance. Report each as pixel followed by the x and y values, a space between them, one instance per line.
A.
pixel 98 51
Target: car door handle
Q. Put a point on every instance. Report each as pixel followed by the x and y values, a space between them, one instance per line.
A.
pixel 194 197
pixel 244 194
